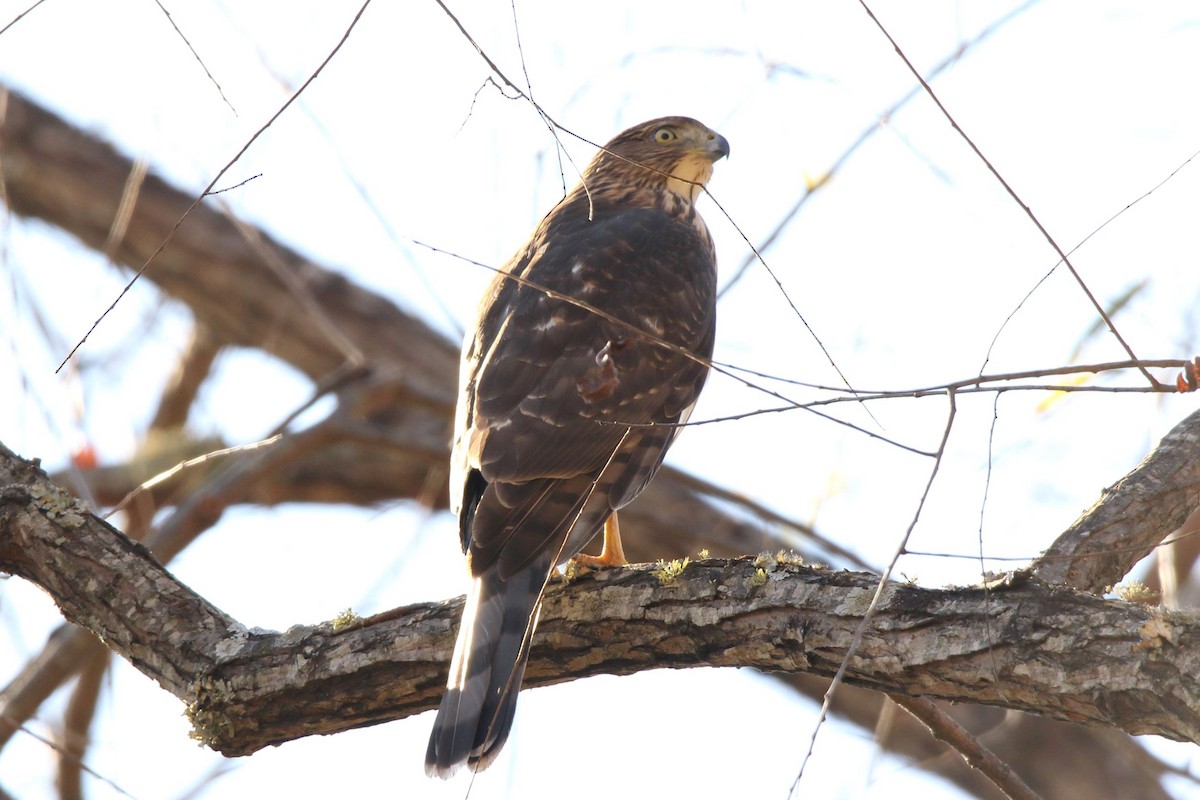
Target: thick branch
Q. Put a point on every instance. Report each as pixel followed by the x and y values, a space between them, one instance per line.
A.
pixel 1131 517
pixel 1061 654
pixel 56 172
pixel 1026 646
pixel 186 379
pixel 104 581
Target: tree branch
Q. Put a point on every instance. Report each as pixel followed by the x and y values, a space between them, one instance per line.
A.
pixel 1023 645
pixel 943 728
pixel 1131 517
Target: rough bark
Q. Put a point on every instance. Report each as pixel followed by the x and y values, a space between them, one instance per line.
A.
pixel 1021 645
pixel 1130 518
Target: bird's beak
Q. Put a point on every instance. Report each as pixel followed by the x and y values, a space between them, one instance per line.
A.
pixel 717 147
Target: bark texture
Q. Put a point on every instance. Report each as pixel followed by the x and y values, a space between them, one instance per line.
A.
pixel 1020 645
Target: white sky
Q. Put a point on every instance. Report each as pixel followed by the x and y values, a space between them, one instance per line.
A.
pixel 905 265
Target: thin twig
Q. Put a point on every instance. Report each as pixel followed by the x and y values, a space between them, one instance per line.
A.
pixel 54 746
pixel 1007 188
pixel 976 380
pixel 19 17
pixel 812 188
pixel 666 345
pixel 988 356
pixel 196 56
pixel 983 503
pixel 171 233
pixel 555 127
pixel 147 485
pixel 869 614
pixel 814 404
pixel 946 730
pixel 129 196
pixel 314 311
pixel 237 185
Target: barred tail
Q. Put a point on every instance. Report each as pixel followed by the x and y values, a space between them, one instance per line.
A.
pixel 477 709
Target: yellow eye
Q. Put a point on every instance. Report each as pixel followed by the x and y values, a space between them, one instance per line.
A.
pixel 664 135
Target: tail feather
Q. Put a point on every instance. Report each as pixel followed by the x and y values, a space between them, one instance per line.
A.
pixel 477 709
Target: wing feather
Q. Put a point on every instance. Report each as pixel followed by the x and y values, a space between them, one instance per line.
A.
pixel 554 396
pixel 531 413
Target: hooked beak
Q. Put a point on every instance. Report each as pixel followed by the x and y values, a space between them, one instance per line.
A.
pixel 717 146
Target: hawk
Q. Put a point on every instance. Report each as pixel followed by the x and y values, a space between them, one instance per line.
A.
pixel 590 346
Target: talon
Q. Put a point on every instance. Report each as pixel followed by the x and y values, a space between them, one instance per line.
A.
pixel 612 554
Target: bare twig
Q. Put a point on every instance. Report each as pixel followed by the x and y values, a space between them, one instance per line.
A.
pixel 77 721
pixel 884 579
pixel 206 459
pixel 20 16
pixel 237 185
pixel 190 372
pixel 196 56
pixel 977 380
pixel 1080 244
pixel 946 730
pixel 102 778
pixel 200 198
pixel 814 186
pixel 974 385
pixel 129 196
pixel 1011 192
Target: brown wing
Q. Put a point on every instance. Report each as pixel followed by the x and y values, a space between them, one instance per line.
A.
pixel 545 444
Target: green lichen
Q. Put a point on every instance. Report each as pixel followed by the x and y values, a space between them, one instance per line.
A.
pixel 765 561
pixel 1137 592
pixel 668 572
pixel 789 558
pixel 345 619
pixel 59 506
pixel 759 578
pixel 209 728
pixel 570 572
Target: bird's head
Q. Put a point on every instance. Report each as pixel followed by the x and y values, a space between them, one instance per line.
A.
pixel 675 153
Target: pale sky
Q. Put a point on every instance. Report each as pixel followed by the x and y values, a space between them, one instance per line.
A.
pixel 905 265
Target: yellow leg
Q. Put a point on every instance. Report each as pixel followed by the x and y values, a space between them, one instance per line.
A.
pixel 612 554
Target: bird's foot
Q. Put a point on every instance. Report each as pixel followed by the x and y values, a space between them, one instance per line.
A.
pixel 611 555
pixel 605 560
